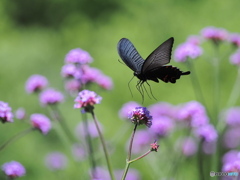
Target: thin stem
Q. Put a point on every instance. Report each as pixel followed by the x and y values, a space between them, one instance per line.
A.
pixel 103 145
pixel 15 137
pixel 140 157
pixel 200 161
pixel 56 114
pixel 235 91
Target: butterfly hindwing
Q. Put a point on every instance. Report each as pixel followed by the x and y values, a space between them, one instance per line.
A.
pixel 159 57
pixel 130 55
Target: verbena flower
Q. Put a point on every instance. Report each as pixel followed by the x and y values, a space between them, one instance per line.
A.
pixel 188 146
pixel 231 156
pixel 233 116
pixel 41 122
pixel 78 152
pixel 154 146
pixel 162 109
pixel 81 130
pixel 231 138
pixel 126 108
pixel 69 70
pixel 207 133
pixel 36 83
pixel 209 147
pixel 50 96
pixel 235 58
pixel 193 39
pixel 232 166
pixel 20 113
pixel 161 126
pixel 87 99
pixel 78 56
pixel 104 82
pixel 73 86
pixel 234 38
pixel 187 50
pixel 13 169
pixel 89 74
pixel 140 115
pixel 6 114
pixel 215 34
pixel 56 161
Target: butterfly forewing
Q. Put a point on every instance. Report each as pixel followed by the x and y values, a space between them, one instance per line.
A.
pixel 130 55
pixel 159 56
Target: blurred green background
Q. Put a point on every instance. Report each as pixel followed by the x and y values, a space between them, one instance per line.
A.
pixel 35 36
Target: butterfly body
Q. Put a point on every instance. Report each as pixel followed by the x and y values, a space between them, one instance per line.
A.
pixel 154 67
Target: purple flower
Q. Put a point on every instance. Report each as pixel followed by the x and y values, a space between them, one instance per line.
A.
pixel 195 40
pixel 140 115
pixel 234 38
pixel 13 169
pixel 231 156
pixel 235 58
pixel 72 86
pixel 78 152
pixel 161 126
pixel 232 166
pixel 36 83
pixel 233 116
pixel 104 81
pixel 142 140
pixel 188 146
pixel 78 56
pixel 187 50
pixel 162 109
pixel 56 161
pixel 207 133
pixel 126 108
pixel 193 113
pixel 20 113
pixel 209 147
pixel 81 130
pixel 68 70
pixel 86 99
pixel 215 34
pixel 89 74
pixel 6 114
pixel 100 173
pixel 41 122
pixel 231 138
pixel 50 96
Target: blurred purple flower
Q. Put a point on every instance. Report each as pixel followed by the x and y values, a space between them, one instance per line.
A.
pixel 162 109
pixel 100 174
pixel 36 83
pixel 207 133
pixel 104 81
pixel 234 38
pixel 50 97
pixel 188 146
pixel 132 174
pixel 233 116
pixel 193 113
pixel 232 166
pixel 140 115
pixel 20 113
pixel 6 114
pixel 231 138
pixel 126 108
pixel 215 34
pixel 86 99
pixel 81 131
pixel 78 152
pixel 72 86
pixel 193 39
pixel 78 56
pixel 142 141
pixel 209 147
pixel 56 161
pixel 161 126
pixel 13 169
pixel 235 58
pixel 231 156
pixel 68 70
pixel 41 122
pixel 89 74
pixel 187 50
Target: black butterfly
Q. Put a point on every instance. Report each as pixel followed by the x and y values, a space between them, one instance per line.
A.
pixel 153 68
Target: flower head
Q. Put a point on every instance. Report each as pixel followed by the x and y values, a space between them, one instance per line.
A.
pixel 233 116
pixel 56 161
pixel 69 70
pixel 41 122
pixel 6 114
pixel 162 109
pixel 207 132
pixel 126 108
pixel 78 56
pixel 187 50
pixel 36 83
pixel 78 152
pixel 20 113
pixel 161 126
pixel 140 115
pixel 154 146
pixel 215 34
pixel 188 146
pixel 196 40
pixel 235 58
pixel 72 86
pixel 86 99
pixel 13 169
pixel 231 138
pixel 51 96
pixel 104 81
pixel 234 38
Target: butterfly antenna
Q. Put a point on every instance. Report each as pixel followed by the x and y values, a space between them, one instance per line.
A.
pixel 121 62
pixel 129 86
pixel 151 91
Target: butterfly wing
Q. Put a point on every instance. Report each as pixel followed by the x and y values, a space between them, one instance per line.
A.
pixel 159 56
pixel 130 55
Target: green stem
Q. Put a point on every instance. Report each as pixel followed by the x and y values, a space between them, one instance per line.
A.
pixel 200 161
pixel 235 91
pixel 103 145
pixel 15 137
pixel 140 157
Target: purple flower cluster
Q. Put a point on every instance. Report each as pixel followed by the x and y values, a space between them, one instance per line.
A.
pixel 126 108
pixel 188 146
pixel 231 161
pixel 207 132
pixel 50 97
pixel 161 126
pixel 56 161
pixel 36 83
pixel 13 169
pixel 235 58
pixel 6 114
pixel 215 34
pixel 79 73
pixel 140 115
pixel 234 38
pixel 41 122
